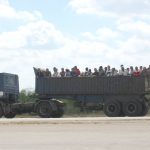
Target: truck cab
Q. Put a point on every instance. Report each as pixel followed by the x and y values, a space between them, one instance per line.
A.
pixel 10 105
pixel 9 88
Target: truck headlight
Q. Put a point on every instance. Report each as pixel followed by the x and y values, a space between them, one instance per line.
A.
pixel 1 93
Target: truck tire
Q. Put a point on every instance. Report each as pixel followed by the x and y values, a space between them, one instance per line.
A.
pixel 10 115
pixel 44 110
pixel 1 112
pixel 59 113
pixel 132 108
pixel 112 108
pixel 145 109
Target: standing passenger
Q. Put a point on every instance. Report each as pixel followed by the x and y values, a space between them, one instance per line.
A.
pixel 105 70
pixel 108 72
pixel 101 71
pixel 95 73
pixel 122 71
pixel 114 72
pixel 136 73
pixel 55 74
pixel 62 73
pixel 73 72
pixel 47 73
pixel 86 73
pixel 77 71
pixel 148 76
pixel 128 71
pixel 141 69
pixel 68 73
pixel 131 70
pixel 90 73
pixel 144 72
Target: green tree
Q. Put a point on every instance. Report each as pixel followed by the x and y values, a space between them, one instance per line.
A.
pixel 27 96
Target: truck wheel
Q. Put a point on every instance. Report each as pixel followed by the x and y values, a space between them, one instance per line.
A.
pixel 132 108
pixel 145 109
pixel 10 115
pixel 44 110
pixel 59 113
pixel 112 108
pixel 1 112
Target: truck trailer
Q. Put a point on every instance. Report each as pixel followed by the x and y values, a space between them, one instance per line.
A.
pixel 116 96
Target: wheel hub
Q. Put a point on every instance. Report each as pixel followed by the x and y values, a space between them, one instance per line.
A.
pixel 111 108
pixel 131 108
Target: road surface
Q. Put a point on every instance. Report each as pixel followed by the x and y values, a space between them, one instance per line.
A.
pixel 75 134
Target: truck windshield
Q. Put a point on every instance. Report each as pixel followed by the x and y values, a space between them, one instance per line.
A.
pixel 10 80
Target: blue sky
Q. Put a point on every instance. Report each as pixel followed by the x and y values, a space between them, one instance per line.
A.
pixel 59 13
pixel 64 33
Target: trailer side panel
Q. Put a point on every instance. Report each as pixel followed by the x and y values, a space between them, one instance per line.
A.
pixel 90 85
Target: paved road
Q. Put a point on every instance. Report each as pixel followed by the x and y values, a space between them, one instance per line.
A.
pixel 75 134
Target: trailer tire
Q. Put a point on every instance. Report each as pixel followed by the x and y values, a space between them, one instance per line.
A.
pixel 10 115
pixel 112 108
pixel 1 112
pixel 132 108
pixel 44 110
pixel 145 109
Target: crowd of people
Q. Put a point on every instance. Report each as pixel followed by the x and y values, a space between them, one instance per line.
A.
pixel 101 71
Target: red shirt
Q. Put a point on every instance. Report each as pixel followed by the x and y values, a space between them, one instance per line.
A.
pixel 78 72
pixel 136 73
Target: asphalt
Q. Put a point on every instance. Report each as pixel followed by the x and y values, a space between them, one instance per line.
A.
pixel 96 133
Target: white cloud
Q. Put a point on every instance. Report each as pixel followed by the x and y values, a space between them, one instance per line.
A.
pixel 112 8
pixel 138 28
pixel 84 6
pixel 8 12
pixel 4 2
pixel 33 34
pixel 102 34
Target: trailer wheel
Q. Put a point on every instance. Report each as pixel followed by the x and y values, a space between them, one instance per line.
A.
pixel 112 108
pixel 145 109
pixel 10 115
pixel 1 112
pixel 132 108
pixel 44 110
